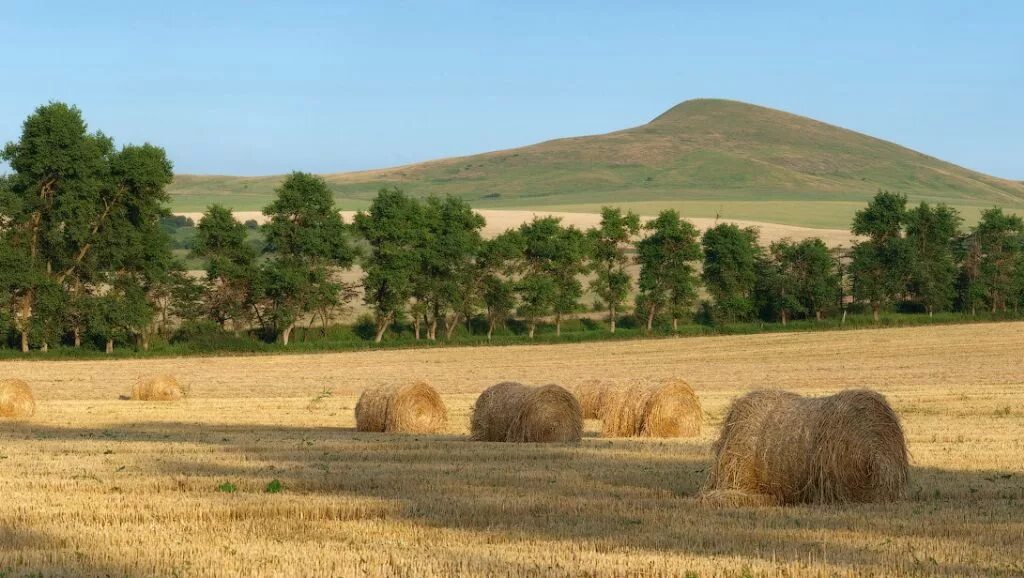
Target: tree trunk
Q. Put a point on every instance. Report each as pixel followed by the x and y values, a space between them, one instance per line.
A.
pixel 145 340
pixel 650 320
pixel 533 326
pixel 287 334
pixel 931 311
pixel 785 317
pixel 817 315
pixel 675 324
pixel 449 327
pixel 843 322
pixel 611 313
pixel 78 337
pixel 24 341
pixel 110 345
pixel 558 325
pixel 45 347
pixel 416 327
pixel 874 311
pixel 490 329
pixel 432 330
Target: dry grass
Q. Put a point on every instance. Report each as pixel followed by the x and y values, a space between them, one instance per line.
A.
pixel 89 478
pixel 412 407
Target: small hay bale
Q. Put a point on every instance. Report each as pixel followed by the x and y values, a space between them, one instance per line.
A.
pixel 591 395
pixel 414 407
pixel 159 388
pixel 16 399
pixel 847 447
pixel 513 412
pixel 663 410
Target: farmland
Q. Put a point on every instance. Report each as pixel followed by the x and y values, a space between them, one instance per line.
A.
pixel 98 486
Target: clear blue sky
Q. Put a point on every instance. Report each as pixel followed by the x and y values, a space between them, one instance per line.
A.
pixel 266 87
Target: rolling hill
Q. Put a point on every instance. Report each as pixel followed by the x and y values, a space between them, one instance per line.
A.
pixel 706 157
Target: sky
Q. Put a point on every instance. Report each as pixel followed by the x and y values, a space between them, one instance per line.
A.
pixel 255 88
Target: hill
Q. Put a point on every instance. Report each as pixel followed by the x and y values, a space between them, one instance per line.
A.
pixel 706 157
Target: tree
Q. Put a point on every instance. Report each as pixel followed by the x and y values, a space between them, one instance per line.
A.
pixel 1001 240
pixel 393 228
pixel 553 258
pixel 448 246
pixel 730 269
pixel 495 267
pixel 608 242
pixel 84 213
pixel 777 291
pixel 881 265
pixel 667 258
pixel 310 244
pixel 931 233
pixel 230 267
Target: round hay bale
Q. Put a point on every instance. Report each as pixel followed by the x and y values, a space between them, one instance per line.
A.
pixel 591 395
pixel 847 447
pixel 159 388
pixel 414 407
pixel 663 410
pixel 513 412
pixel 16 399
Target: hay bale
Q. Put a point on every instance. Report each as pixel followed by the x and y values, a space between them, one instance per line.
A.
pixel 16 399
pixel 591 395
pixel 513 412
pixel 643 409
pixel 847 447
pixel 159 388
pixel 414 407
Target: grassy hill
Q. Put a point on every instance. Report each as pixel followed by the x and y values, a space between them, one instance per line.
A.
pixel 705 157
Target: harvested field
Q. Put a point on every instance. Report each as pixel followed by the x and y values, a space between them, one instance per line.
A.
pixel 89 478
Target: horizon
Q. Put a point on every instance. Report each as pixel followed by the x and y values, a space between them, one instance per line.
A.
pixel 252 89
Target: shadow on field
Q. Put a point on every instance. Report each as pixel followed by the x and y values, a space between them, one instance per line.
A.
pixel 604 495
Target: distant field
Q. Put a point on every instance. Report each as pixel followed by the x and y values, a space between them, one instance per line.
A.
pixel 706 158
pixel 98 486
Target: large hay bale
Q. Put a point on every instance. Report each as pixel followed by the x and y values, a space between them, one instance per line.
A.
pixel 414 407
pixel 847 447
pixel 159 388
pixel 16 399
pixel 644 409
pixel 591 394
pixel 513 412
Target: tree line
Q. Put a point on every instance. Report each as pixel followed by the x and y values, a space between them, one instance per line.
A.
pixel 86 257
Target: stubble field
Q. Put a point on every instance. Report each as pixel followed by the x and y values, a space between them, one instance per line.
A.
pixel 97 486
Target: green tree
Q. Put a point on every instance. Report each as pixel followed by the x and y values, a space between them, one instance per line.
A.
pixel 230 268
pixel 1000 237
pixel 881 265
pixel 393 227
pixel 445 281
pixel 730 269
pixel 553 258
pixel 83 213
pixel 608 243
pixel 931 233
pixel 495 268
pixel 310 245
pixel 668 274
pixel 779 275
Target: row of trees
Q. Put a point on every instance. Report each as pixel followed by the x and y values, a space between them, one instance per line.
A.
pixel 83 256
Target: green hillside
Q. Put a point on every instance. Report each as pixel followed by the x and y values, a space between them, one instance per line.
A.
pixel 705 157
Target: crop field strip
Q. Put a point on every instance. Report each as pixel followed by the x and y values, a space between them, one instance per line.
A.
pixel 101 486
